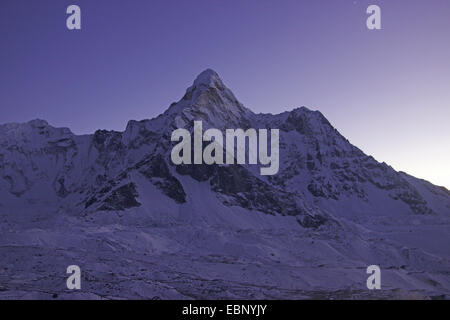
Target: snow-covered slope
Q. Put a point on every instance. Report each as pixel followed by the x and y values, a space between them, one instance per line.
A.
pixel 139 226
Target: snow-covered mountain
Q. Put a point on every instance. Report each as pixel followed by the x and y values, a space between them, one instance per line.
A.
pixel 141 227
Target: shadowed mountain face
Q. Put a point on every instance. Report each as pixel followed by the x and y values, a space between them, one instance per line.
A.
pixel 326 215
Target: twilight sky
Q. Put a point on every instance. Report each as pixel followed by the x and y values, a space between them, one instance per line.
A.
pixel 387 91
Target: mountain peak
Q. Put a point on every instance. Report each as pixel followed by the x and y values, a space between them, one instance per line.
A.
pixel 38 123
pixel 208 78
pixel 207 81
pixel 210 100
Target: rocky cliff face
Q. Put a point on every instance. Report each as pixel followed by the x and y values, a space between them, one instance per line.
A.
pixel 317 163
pixel 324 185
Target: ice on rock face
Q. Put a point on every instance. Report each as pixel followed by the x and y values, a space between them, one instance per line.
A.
pixel 114 203
pixel 208 99
pixel 209 78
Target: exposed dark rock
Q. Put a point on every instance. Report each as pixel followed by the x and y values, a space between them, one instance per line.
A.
pixel 62 191
pixel 90 202
pixel 156 170
pixel 199 172
pixel 311 221
pixel 110 147
pixel 320 187
pixel 297 121
pixel 104 140
pixel 245 190
pixel 310 164
pixel 121 198
pixel 413 199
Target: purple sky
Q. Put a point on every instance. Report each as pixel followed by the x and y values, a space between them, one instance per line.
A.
pixel 387 91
